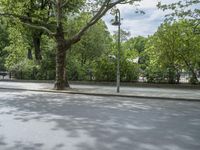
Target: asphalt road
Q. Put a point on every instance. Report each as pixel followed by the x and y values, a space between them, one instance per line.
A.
pixel 49 121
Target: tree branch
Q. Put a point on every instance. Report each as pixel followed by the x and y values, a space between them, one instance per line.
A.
pixel 26 21
pixel 52 2
pixel 39 27
pixel 15 16
pixel 102 11
pixel 64 4
pixel 130 1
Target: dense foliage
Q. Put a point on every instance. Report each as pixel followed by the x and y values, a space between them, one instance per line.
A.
pixel 29 53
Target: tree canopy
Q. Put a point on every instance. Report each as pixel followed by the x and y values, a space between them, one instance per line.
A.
pixel 67 40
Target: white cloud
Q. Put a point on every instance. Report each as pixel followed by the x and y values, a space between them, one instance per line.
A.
pixel 139 24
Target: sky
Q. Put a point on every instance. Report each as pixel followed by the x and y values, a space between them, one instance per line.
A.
pixel 139 24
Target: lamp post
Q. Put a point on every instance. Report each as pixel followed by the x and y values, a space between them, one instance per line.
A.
pixel 117 22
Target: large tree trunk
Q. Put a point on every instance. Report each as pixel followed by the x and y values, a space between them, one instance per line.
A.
pixel 61 80
pixel 178 76
pixel 171 75
pixel 36 42
pixel 193 79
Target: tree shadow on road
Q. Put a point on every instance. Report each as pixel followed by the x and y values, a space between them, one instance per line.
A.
pixel 102 123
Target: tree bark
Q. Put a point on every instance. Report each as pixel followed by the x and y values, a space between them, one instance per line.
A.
pixel 171 75
pixel 62 46
pixel 178 76
pixel 193 79
pixel 30 54
pixel 36 44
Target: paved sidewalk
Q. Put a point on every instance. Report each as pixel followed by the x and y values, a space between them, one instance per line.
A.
pixel 143 92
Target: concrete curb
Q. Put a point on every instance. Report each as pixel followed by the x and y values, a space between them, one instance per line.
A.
pixel 107 94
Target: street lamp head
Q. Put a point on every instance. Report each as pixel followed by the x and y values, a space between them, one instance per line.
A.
pixel 116 21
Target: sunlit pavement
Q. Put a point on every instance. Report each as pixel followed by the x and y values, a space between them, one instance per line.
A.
pixel 49 121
